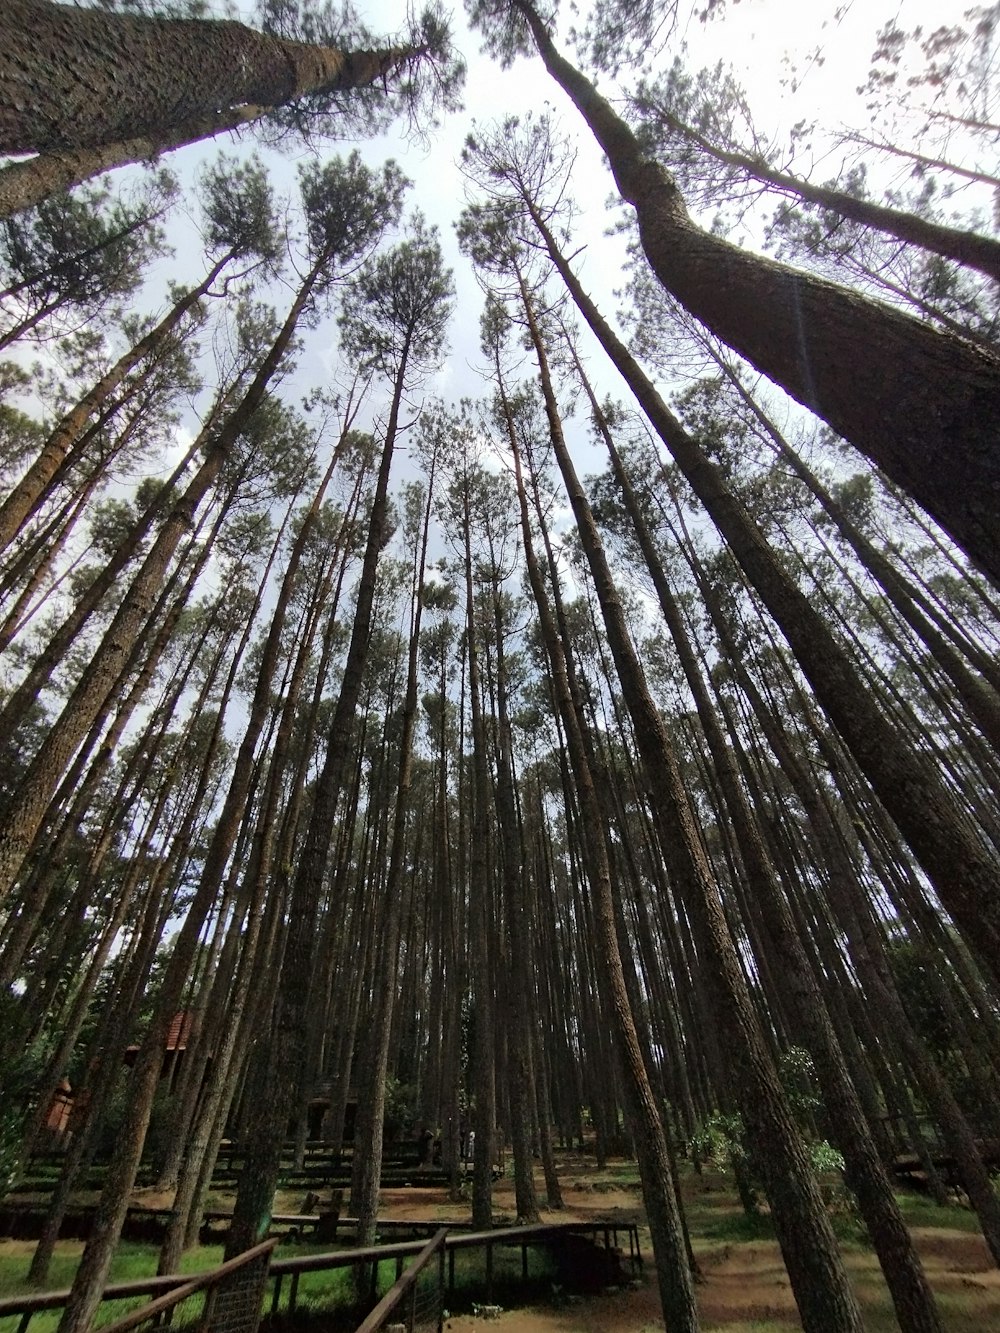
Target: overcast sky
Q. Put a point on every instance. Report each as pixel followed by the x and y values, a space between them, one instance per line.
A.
pixel 797 60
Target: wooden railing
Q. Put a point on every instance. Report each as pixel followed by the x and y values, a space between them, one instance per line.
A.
pixel 209 1282
pixel 23 1308
pixel 405 1289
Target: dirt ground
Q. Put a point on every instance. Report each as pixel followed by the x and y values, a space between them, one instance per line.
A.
pixel 743 1283
pixel 744 1287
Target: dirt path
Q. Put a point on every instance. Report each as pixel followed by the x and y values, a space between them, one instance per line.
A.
pixel 743 1283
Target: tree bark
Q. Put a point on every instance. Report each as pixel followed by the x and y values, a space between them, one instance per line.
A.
pixel 673 1272
pixel 32 488
pixel 72 78
pixel 366 1167
pixel 820 1283
pixel 25 184
pixel 943 839
pixel 912 1297
pixel 920 403
pixel 964 247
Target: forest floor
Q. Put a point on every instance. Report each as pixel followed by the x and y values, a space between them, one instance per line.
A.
pixel 744 1287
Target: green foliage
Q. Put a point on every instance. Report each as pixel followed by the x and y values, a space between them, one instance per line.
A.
pixel 398 307
pixel 401 1108
pixel 719 1140
pixel 20 1077
pixel 423 72
pixel 81 249
pixel 797 1073
pixel 922 980
pixel 825 1157
pixel 504 32
pixel 348 209
pixel 239 209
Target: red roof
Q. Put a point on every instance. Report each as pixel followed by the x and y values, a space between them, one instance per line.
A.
pixel 179 1031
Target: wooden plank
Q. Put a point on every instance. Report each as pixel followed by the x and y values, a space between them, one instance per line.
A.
pixel 399 1289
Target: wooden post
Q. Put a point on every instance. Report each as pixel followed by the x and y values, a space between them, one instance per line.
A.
pixel 440 1323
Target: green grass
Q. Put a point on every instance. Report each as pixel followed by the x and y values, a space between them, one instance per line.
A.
pixel 738 1228
pixel 318 1293
pixel 715 1218
pixel 621 1171
pixel 131 1262
pixel 920 1211
pixel 755 1326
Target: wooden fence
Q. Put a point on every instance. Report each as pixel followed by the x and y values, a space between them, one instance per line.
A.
pixel 16 1312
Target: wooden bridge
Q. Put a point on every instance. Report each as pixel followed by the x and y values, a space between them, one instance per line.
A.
pixel 586 1257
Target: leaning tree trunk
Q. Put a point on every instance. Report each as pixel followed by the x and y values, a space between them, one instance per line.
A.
pixel 822 1290
pixel 851 913
pixel 921 403
pixel 943 839
pixel 32 488
pixel 91 1276
pixel 796 983
pixel 673 1272
pixel 979 697
pixel 963 247
pixel 22 700
pixel 366 1168
pixel 279 1070
pixel 25 184
pixel 72 78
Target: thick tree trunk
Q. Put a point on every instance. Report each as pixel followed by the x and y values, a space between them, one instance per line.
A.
pixel 920 403
pixel 964 247
pixel 25 184
pixel 72 78
pixel 979 697
pixel 941 836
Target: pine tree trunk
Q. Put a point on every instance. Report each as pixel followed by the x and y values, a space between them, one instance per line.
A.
pixel 484 998
pixel 820 1283
pixel 92 1273
pixel 72 78
pixel 866 1176
pixel 921 403
pixel 520 1010
pixel 282 1063
pixel 31 490
pixel 945 842
pixel 366 1167
pixel 963 247
pixel 26 184
pixel 676 1289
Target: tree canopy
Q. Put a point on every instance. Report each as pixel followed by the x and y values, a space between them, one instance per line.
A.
pixel 453 703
